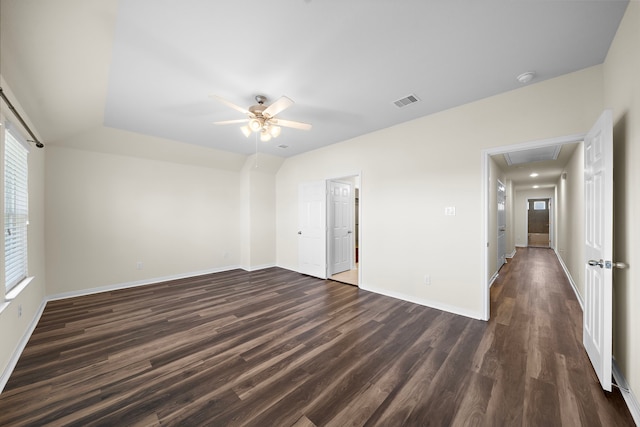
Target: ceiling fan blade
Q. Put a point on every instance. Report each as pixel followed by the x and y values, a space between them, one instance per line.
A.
pixel 280 105
pixel 231 104
pixel 291 124
pixel 229 122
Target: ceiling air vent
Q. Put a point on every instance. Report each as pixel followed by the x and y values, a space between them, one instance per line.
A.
pixel 407 100
pixel 283 146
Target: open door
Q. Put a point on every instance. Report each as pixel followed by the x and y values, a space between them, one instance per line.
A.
pixel 340 227
pixel 502 224
pixel 598 187
pixel 312 236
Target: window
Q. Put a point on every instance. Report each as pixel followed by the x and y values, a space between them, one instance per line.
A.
pixel 16 211
pixel 540 205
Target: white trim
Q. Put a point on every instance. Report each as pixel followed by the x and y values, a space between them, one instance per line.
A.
pixel 258 267
pixel 136 283
pixel 560 140
pixel 484 270
pixel 13 361
pixel 627 394
pixel 15 291
pixel 512 254
pixel 571 281
pixel 493 278
pixel 427 303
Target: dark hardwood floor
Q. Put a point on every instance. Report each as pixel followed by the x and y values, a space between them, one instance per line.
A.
pixel 276 348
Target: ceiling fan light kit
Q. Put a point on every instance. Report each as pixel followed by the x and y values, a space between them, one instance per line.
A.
pixel 255 125
pixel 262 118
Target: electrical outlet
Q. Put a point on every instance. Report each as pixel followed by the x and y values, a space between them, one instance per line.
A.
pixel 427 280
pixel 139 265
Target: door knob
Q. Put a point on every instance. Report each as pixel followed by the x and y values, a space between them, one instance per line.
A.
pixel 349 232
pixel 299 232
pixel 607 264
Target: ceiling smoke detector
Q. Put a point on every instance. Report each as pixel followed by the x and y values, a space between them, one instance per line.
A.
pixel 526 77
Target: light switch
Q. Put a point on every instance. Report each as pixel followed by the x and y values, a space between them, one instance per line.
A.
pixel 450 211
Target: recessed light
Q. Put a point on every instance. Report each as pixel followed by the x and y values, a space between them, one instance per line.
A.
pixel 533 175
pixel 526 77
pixel 536 186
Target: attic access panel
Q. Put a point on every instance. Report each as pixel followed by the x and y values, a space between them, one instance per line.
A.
pixel 532 155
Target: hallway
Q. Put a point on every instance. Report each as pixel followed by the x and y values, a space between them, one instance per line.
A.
pixel 534 352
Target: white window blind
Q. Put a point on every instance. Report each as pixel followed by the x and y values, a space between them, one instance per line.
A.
pixel 16 212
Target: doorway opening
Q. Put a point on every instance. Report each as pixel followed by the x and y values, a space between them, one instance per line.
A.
pixel 538 219
pixel 517 170
pixel 329 234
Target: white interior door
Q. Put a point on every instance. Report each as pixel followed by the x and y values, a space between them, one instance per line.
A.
pixel 312 212
pixel 598 185
pixel 502 223
pixel 340 226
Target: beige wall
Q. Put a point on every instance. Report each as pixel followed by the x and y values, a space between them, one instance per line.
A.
pixel 258 216
pixel 14 327
pixel 622 94
pixel 570 218
pixel 107 212
pixel 412 171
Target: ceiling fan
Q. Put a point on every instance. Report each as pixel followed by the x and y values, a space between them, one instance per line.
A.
pixel 262 118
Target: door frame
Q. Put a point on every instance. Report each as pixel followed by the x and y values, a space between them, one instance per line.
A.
pixel 358 177
pixel 485 281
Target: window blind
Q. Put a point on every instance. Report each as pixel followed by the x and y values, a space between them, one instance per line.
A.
pixel 16 212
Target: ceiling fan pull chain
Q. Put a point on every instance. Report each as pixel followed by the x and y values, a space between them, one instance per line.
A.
pixel 256 164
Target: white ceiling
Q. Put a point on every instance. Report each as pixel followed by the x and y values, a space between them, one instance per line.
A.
pixel 148 66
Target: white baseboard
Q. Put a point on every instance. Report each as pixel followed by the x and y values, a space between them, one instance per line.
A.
pixel 136 283
pixel 493 279
pixel 258 267
pixel 627 393
pixel 512 254
pixel 4 378
pixel 426 303
pixel 573 284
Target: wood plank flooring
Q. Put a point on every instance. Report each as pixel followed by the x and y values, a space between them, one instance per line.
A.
pixel 276 348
